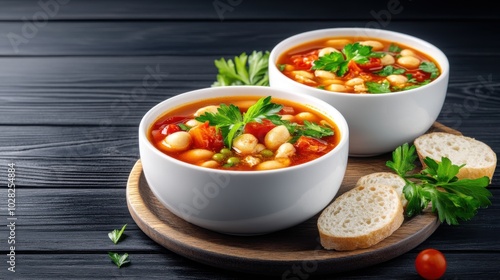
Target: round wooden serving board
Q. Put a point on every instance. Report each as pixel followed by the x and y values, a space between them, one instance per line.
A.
pixel 275 253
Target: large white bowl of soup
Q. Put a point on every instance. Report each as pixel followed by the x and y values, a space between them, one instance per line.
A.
pixel 389 86
pixel 244 160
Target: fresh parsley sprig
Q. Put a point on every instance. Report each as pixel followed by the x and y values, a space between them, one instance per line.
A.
pixel 337 63
pixel 116 234
pixel 382 87
pixel 429 67
pixel 244 70
pixel 230 121
pixel 390 70
pixel 453 199
pixel 118 259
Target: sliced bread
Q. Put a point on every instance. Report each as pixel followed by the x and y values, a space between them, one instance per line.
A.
pixel 360 218
pixel 387 179
pixel 479 159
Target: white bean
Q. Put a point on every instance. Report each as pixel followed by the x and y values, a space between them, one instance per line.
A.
pixel 258 148
pixel 289 118
pixel 243 104
pixel 304 80
pixel 193 123
pixel 338 43
pixel 376 45
pixel 360 88
pixel 251 161
pixel 276 136
pixel 196 155
pixel 409 62
pixel 337 88
pixel 210 108
pixel 306 116
pixel 354 81
pixel 407 52
pixel 327 50
pixel 273 164
pixel 286 150
pixel 387 60
pixel 324 74
pixel 245 144
pixel 177 142
pixel 304 74
pixel 210 164
pixel 329 82
pixel 397 80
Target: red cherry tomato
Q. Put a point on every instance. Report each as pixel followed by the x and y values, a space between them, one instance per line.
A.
pixel 304 61
pixel 419 75
pixel 430 264
pixel 206 137
pixel 168 120
pixel 310 145
pixel 163 131
pixel 259 130
pixel 374 64
pixel 353 70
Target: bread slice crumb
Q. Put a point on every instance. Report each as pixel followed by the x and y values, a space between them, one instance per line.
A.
pixel 385 178
pixel 479 159
pixel 360 218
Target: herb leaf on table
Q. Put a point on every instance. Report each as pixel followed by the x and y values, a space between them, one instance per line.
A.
pixel 115 235
pixel 453 199
pixel 118 259
pixel 243 70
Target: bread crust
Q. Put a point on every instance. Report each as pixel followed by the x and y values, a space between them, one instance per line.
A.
pixel 466 172
pixel 347 243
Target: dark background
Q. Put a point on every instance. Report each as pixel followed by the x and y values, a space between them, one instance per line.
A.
pixel 69 111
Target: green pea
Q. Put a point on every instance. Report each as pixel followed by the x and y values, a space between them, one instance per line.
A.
pixel 233 161
pixel 225 152
pixel 266 153
pixel 218 157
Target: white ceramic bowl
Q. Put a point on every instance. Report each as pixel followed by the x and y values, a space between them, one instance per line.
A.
pixel 243 202
pixel 378 123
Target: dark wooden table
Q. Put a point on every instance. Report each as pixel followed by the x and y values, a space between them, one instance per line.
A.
pixel 72 96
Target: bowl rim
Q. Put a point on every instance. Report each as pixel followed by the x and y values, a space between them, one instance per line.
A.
pixel 144 127
pixel 322 33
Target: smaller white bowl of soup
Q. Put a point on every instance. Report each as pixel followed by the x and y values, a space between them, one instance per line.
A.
pixel 389 86
pixel 244 160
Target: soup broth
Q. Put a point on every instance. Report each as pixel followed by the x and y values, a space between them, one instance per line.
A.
pixel 359 65
pixel 244 133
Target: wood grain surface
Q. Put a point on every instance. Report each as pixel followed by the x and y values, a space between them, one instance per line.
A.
pixel 278 252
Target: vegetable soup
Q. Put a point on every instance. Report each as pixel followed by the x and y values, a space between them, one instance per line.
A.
pixel 243 133
pixel 358 65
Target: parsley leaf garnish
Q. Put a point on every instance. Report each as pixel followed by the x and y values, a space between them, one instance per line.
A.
pixel 453 199
pixel 374 87
pixel 330 62
pixel 390 70
pixel 118 259
pixel 315 130
pixel 411 79
pixel 429 67
pixel 115 235
pixel 244 70
pixel 231 122
pixel 394 48
pixel 357 52
pixel 337 63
